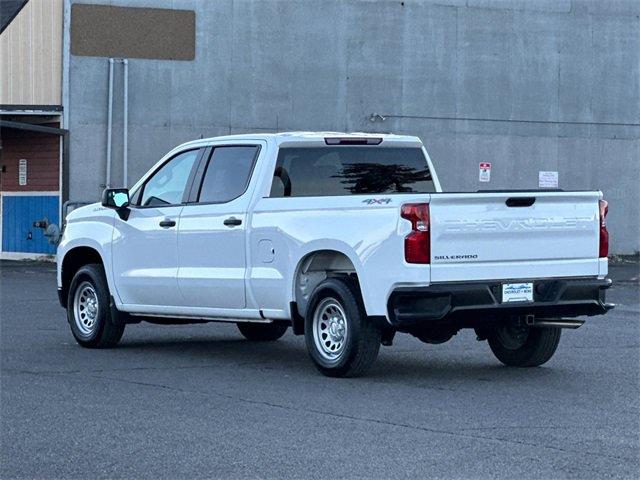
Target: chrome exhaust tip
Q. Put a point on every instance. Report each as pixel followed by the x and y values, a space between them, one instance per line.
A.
pixel 531 321
pixel 557 322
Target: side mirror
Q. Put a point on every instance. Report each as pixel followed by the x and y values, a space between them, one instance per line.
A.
pixel 115 198
pixel 118 199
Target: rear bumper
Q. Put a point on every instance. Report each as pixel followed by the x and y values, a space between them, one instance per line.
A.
pixel 467 302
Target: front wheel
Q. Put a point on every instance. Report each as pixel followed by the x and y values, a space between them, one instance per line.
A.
pixel 523 346
pixel 88 309
pixel 341 339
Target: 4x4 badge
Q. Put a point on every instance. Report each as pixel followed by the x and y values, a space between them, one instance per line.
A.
pixel 377 201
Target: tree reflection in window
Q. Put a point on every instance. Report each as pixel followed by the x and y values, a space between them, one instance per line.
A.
pixel 360 178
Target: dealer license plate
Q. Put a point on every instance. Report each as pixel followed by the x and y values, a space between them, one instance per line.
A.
pixel 517 292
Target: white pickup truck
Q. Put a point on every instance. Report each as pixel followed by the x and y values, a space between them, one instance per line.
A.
pixel 347 238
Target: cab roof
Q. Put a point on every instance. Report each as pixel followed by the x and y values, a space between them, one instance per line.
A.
pixel 312 138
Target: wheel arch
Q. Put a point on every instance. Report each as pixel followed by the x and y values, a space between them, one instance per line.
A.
pixel 312 268
pixel 73 260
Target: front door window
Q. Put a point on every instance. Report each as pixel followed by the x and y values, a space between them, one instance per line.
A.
pixel 167 185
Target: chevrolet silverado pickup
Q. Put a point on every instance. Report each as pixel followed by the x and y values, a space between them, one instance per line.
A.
pixel 345 238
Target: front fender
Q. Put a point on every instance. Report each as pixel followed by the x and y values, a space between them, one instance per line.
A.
pixel 94 234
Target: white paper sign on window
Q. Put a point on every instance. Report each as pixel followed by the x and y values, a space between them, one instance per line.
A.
pixel 22 172
pixel 548 179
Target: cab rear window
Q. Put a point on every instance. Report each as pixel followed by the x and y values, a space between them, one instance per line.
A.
pixel 341 170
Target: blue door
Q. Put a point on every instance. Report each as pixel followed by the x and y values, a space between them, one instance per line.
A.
pixel 18 214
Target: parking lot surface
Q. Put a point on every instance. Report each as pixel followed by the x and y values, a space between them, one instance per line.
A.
pixel 200 401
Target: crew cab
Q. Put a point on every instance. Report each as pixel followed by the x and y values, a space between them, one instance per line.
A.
pixel 346 238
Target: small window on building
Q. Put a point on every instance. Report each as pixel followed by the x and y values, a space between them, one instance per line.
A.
pixel 228 173
pixel 338 171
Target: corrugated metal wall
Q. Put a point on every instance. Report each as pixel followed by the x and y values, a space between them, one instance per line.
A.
pixel 18 214
pixel 31 55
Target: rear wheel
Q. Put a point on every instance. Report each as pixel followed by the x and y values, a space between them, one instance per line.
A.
pixel 523 346
pixel 262 332
pixel 341 340
pixel 88 309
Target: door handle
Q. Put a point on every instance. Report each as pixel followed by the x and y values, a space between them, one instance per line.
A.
pixel 166 223
pixel 232 222
pixel 520 201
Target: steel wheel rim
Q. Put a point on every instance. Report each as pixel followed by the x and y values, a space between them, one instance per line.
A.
pixel 85 308
pixel 513 337
pixel 330 329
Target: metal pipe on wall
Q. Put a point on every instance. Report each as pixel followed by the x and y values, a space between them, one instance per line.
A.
pixel 64 158
pixel 125 134
pixel 109 123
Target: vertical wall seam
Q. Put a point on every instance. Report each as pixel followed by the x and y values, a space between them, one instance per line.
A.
pixel 30 54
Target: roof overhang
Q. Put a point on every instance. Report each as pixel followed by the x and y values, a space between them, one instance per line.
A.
pixel 10 10
pixel 30 109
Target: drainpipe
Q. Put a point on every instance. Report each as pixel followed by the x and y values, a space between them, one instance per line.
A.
pixel 125 134
pixel 109 124
pixel 64 159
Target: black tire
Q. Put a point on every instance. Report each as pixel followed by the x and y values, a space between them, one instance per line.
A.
pixel 361 341
pixel 536 348
pixel 262 332
pixel 102 331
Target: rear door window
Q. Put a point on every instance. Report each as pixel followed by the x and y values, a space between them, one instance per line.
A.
pixel 340 170
pixel 228 173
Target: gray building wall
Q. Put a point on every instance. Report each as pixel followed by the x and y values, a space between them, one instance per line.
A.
pixel 527 85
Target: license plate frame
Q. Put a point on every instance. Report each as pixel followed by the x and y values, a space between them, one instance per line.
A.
pixel 517 292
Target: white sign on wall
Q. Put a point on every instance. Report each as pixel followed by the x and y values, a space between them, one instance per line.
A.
pixel 22 172
pixel 548 179
pixel 485 172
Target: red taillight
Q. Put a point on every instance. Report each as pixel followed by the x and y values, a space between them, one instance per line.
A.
pixel 417 245
pixel 604 234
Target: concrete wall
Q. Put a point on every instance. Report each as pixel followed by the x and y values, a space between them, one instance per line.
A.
pixel 526 85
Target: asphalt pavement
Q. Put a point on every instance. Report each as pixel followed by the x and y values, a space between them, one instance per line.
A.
pixel 200 401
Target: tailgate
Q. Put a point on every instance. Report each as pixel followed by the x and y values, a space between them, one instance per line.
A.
pixel 514 235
